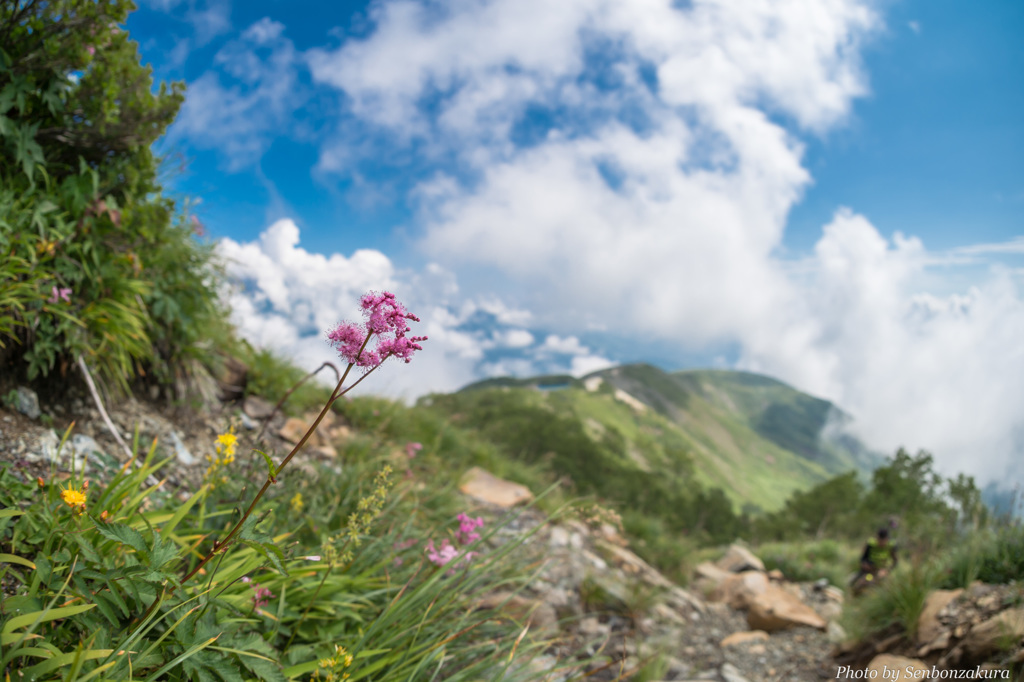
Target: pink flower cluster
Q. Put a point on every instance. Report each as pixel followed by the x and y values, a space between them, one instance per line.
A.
pixel 261 595
pixel 412 448
pixel 387 319
pixel 56 294
pixel 467 529
pixel 443 554
pixel 466 534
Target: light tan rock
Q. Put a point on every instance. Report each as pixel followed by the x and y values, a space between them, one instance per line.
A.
pixel 257 408
pixel 928 625
pixel 995 634
pixel 830 610
pixel 739 589
pixel 538 613
pixel 707 576
pixel 738 559
pixel 485 486
pixel 776 575
pixel 293 430
pixel 777 609
pixel 887 662
pixel 745 637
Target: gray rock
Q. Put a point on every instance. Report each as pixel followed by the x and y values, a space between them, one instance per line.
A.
pixel 731 673
pixel 182 452
pixel 44 449
pixel 27 402
pixel 256 407
pixel 248 423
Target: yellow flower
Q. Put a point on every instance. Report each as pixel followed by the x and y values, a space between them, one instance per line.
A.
pixel 228 440
pixel 73 498
pixel 296 502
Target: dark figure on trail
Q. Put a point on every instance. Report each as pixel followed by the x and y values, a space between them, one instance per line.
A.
pixel 878 559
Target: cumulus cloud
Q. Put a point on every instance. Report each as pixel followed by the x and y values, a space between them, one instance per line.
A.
pixel 248 98
pixel 285 298
pixel 630 166
pixel 914 368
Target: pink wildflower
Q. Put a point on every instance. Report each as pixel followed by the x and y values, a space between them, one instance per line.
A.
pixel 91 50
pixel 442 555
pixel 387 319
pixel 58 294
pixel 261 595
pixel 412 448
pixel 467 529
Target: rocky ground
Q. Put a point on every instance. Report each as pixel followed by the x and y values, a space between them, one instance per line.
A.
pixel 604 610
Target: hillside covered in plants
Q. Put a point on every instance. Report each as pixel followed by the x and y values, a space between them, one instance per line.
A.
pixel 176 504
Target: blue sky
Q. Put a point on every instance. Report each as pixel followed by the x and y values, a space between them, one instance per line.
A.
pixel 828 191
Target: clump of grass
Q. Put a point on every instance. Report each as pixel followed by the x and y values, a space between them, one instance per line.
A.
pixel 121 579
pixel 991 556
pixel 812 560
pixel 898 600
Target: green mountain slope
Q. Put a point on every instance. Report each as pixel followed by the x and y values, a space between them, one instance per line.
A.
pixel 635 434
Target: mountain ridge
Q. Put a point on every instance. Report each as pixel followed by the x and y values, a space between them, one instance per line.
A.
pixel 753 436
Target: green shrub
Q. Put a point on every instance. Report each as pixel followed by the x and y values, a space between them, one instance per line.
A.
pixel 897 600
pixel 98 262
pixel 991 556
pixel 811 560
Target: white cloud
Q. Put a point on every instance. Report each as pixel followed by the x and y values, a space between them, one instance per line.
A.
pixel 652 197
pixel 915 369
pixel 239 107
pixel 286 298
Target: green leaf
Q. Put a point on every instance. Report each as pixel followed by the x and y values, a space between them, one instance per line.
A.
pixel 124 534
pixel 12 559
pixel 272 553
pixel 163 551
pixel 271 469
pixel 268 671
pixel 45 616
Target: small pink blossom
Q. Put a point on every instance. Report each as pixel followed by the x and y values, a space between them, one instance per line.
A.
pixel 91 50
pixel 405 544
pixel 385 318
pixel 412 448
pixel 467 529
pixel 246 579
pixel 261 595
pixel 442 555
pixel 58 294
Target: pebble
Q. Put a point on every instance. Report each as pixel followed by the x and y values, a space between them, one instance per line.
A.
pixel 27 402
pixel 182 452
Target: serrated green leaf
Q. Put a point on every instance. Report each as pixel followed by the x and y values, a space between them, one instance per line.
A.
pixel 126 535
pixel 269 671
pixel 271 553
pixel 162 552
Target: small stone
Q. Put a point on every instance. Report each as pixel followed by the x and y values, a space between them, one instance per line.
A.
pixel 27 402
pixel 747 637
pixel 248 423
pixel 257 408
pixel 485 486
pixel 559 537
pixel 293 430
pixel 731 673
pixel 182 452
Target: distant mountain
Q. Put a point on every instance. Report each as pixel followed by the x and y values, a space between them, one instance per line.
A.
pixel 753 437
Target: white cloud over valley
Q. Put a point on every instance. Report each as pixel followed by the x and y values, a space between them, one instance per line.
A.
pixel 627 166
